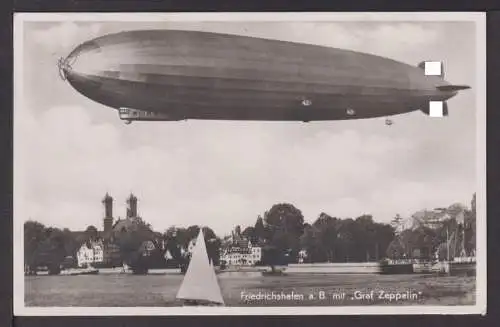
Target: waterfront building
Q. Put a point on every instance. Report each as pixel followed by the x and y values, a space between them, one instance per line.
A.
pixel 90 253
pixel 302 256
pixel 238 250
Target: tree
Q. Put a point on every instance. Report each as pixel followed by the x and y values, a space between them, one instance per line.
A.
pixel 372 239
pixel 364 237
pixel 249 233
pixel 327 235
pixel 174 238
pixel 419 243
pixel 384 236
pixel 285 224
pixel 51 251
pixel 285 216
pixel 130 242
pixel 259 229
pixel 47 246
pixel 397 222
pixel 311 241
pixel 346 242
pixel 180 236
pixel 34 235
pixel 271 257
pixel 396 250
pixel 470 228
pixel 213 244
pixel 473 203
pixel 193 231
pixel 71 243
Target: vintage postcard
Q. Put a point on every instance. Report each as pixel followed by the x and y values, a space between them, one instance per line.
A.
pixel 257 163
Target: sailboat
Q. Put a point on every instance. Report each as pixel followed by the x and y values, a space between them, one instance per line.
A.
pixel 200 285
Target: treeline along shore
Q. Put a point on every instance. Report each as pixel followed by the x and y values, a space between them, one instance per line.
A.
pixel 281 232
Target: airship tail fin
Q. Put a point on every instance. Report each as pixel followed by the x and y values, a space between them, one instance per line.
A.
pixel 421 65
pixel 452 87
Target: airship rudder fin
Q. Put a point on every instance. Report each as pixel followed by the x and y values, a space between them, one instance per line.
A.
pixel 426 109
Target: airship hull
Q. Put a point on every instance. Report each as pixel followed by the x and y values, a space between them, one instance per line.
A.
pixel 198 75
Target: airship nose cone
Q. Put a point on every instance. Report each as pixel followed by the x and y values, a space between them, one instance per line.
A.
pixel 83 60
pixel 86 59
pixel 63 68
pixel 84 69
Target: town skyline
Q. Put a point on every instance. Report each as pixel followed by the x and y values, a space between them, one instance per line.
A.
pixel 132 210
pixel 282 233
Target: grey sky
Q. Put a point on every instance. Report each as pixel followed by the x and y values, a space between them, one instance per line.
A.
pixel 72 151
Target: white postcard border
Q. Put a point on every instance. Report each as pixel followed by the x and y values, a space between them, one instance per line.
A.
pixel 479 308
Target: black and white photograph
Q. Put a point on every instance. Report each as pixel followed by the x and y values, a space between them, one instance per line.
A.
pixel 249 163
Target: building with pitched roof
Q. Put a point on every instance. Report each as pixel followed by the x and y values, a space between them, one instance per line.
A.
pixel 238 250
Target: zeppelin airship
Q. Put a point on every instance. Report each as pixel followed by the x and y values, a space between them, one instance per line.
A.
pixel 169 75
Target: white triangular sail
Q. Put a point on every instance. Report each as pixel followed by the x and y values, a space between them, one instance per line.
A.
pixel 200 282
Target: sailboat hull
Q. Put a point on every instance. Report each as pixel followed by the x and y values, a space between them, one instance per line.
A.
pixel 194 303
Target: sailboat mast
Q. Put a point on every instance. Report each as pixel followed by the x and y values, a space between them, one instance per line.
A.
pixel 463 252
pixel 448 241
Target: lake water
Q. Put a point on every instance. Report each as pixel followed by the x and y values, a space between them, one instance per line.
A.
pixel 251 289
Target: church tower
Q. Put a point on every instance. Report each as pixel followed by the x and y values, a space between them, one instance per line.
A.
pixel 108 212
pixel 131 206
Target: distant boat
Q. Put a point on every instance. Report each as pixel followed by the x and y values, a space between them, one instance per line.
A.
pixel 80 271
pixel 200 285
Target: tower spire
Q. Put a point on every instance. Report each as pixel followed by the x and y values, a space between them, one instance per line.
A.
pixel 131 206
pixel 108 212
